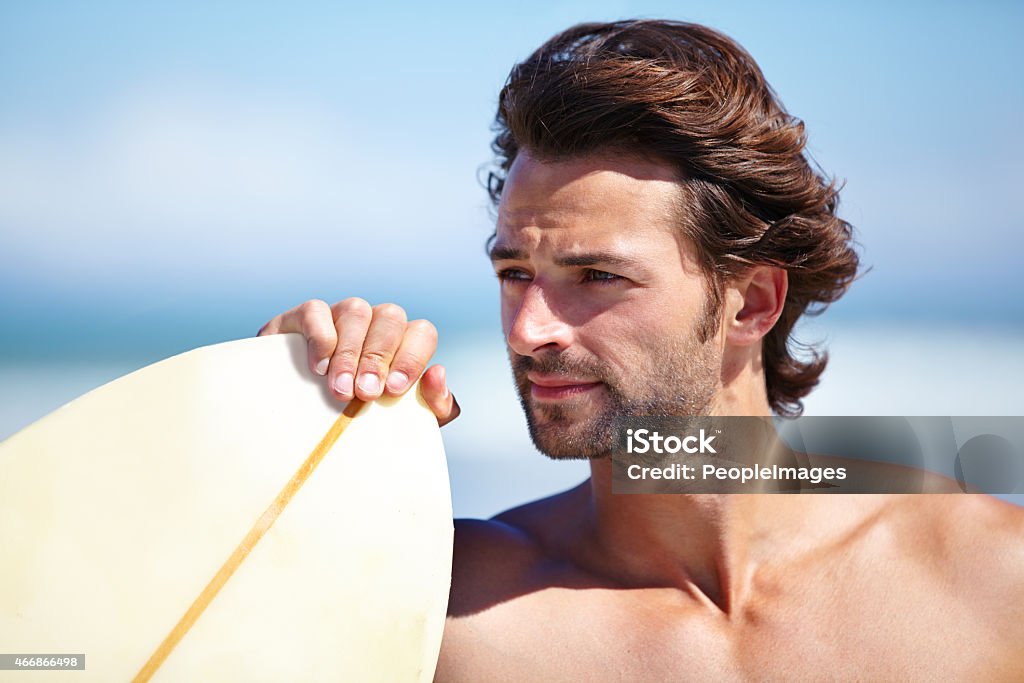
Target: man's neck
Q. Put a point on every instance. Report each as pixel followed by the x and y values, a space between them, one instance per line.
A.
pixel 709 545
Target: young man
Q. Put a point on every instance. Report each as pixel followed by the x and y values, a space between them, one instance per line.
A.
pixel 659 233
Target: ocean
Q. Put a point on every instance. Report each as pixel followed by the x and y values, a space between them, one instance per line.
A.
pixel 874 370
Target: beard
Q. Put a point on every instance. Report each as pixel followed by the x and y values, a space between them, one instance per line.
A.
pixel 678 378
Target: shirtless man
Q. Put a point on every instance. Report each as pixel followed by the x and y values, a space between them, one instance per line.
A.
pixel 659 232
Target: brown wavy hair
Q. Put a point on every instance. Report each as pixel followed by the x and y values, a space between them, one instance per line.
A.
pixel 692 97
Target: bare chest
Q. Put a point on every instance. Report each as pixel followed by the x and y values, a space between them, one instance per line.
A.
pixel 815 631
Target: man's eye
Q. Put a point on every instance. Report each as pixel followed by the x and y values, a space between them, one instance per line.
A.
pixel 512 275
pixel 592 275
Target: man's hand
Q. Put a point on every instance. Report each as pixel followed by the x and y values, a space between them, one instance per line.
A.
pixel 366 352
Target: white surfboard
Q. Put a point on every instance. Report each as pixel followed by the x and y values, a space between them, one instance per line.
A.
pixel 191 522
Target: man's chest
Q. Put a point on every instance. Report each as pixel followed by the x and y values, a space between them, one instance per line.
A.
pixel 814 631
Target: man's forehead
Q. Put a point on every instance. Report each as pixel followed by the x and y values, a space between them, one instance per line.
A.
pixel 593 197
pixel 597 182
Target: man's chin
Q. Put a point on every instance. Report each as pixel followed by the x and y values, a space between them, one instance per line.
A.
pixel 565 440
pixel 574 429
pixel 568 452
pixel 575 455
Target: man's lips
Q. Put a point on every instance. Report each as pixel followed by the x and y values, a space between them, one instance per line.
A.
pixel 553 387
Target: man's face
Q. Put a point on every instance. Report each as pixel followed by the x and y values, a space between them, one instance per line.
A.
pixel 600 300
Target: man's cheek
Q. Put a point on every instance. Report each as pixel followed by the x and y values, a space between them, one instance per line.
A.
pixel 618 358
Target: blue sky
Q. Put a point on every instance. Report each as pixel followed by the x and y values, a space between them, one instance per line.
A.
pixel 175 174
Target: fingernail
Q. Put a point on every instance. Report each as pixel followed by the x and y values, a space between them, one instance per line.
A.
pixel 398 381
pixel 343 384
pixel 321 367
pixel 369 383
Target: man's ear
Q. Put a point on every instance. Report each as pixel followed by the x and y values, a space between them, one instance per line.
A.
pixel 755 304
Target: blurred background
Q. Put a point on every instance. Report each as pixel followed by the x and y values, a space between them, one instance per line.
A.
pixel 175 174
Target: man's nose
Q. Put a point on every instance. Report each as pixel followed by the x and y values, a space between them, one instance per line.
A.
pixel 535 327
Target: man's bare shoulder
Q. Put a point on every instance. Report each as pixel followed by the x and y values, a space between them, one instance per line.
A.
pixel 974 544
pixel 971 528
pixel 498 564
pixel 989 535
pixel 490 557
pixel 494 557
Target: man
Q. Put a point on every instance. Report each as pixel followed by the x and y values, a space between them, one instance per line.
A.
pixel 659 233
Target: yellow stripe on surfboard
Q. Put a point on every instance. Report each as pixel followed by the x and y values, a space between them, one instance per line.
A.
pixel 260 527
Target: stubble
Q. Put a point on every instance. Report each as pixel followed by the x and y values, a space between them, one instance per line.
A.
pixel 673 378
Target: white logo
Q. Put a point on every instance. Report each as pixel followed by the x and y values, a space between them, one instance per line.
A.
pixel 654 442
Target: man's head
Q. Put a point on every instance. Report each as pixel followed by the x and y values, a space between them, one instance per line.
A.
pixel 660 148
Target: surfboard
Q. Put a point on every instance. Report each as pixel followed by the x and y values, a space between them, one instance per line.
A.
pixel 219 516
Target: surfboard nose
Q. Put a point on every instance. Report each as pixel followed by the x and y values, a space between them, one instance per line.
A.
pixel 227 467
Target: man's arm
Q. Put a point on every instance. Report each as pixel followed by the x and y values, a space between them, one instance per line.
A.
pixel 490 564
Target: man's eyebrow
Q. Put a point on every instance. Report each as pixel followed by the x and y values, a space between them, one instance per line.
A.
pixel 595 258
pixel 507 253
pixel 504 253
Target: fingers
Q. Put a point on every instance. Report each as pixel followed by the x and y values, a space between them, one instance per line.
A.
pixel 434 389
pixel 352 318
pixel 367 352
pixel 418 345
pixel 314 320
pixel 382 341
